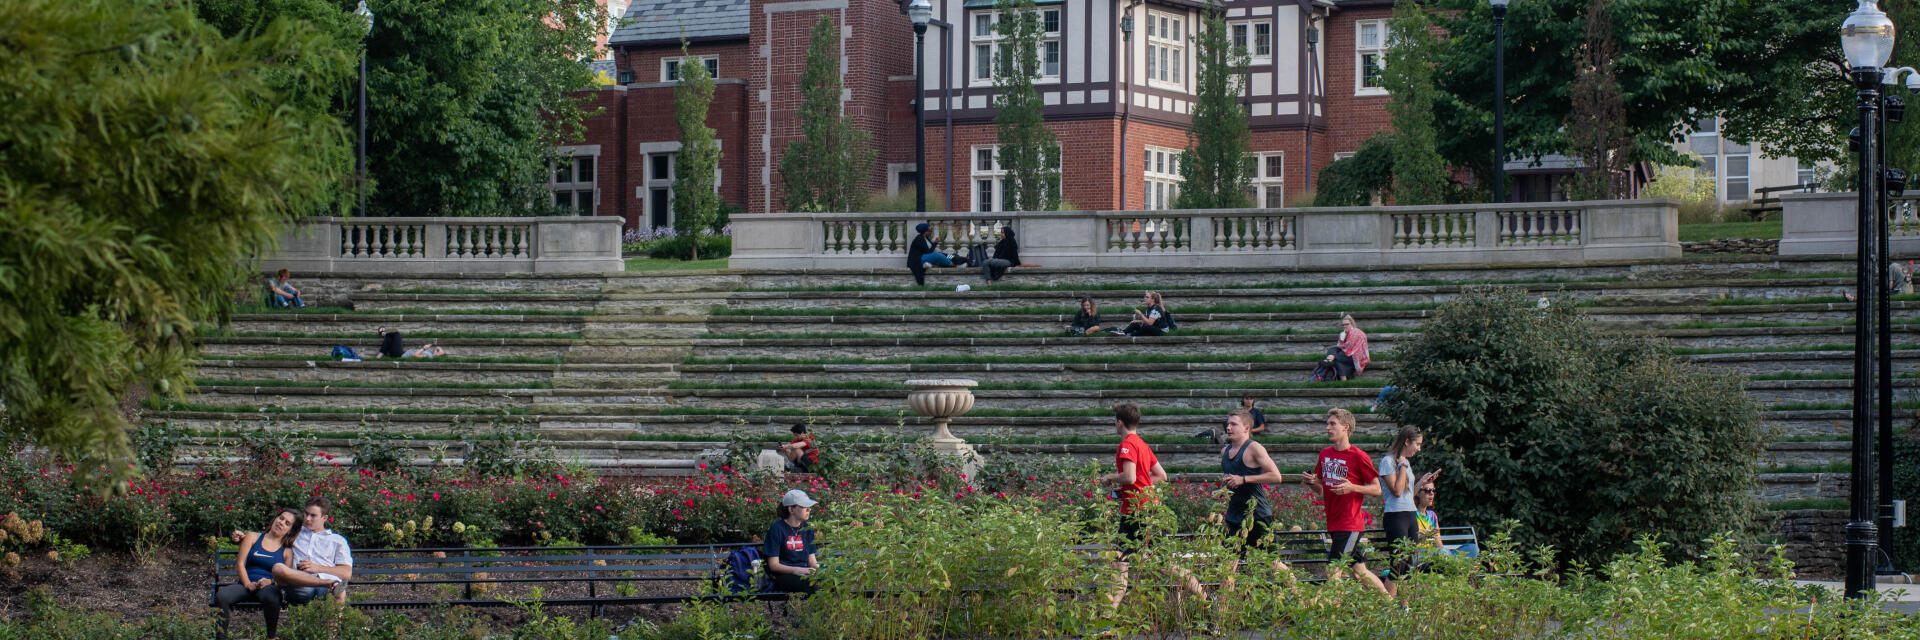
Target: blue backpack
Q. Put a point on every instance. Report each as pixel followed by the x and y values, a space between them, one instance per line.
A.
pixel 741 578
pixel 342 352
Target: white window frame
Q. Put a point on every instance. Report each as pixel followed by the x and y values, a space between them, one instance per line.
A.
pixel 1167 50
pixel 1246 36
pixel 1160 178
pixel 990 39
pixel 994 174
pixel 1360 52
pixel 1745 178
pixel 670 72
pixel 1804 174
pixel 573 186
pixel 1261 184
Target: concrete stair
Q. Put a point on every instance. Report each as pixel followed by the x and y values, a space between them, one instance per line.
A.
pixel 611 358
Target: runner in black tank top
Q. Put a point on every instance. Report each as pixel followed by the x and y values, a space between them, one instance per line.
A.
pixel 1246 469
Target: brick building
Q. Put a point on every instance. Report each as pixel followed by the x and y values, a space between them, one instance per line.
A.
pixel 1117 82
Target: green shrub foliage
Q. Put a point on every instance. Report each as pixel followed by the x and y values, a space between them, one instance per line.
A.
pixel 1587 440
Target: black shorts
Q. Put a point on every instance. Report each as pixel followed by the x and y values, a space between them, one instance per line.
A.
pixel 1256 532
pixel 1401 525
pixel 1130 542
pixel 790 583
pixel 1346 544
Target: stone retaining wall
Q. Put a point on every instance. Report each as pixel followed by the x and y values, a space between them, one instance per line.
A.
pixel 1815 540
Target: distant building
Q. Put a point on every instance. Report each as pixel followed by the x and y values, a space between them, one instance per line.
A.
pixel 1739 170
pixel 1117 80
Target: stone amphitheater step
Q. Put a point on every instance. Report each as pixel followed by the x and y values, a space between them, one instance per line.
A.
pixel 1825 423
pixel 1304 322
pixel 366 324
pixel 440 371
pixel 988 300
pixel 908 347
pixel 626 401
pixel 230 346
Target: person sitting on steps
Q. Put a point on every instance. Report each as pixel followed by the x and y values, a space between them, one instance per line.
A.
pixel 284 295
pixel 803 453
pixel 1154 321
pixel 1086 321
pixel 923 251
pixel 1006 255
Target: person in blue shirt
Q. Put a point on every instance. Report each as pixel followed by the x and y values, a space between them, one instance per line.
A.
pixel 789 550
pixel 253 577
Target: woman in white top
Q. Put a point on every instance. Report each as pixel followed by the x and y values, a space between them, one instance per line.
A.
pixel 1397 489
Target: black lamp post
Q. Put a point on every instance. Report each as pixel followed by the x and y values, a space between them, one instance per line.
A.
pixel 1867 39
pixel 921 12
pixel 1499 100
pixel 360 150
pixel 1893 182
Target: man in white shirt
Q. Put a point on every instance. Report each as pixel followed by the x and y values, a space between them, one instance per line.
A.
pixel 323 559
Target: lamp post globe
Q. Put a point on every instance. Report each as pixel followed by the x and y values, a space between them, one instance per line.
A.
pixel 1867 36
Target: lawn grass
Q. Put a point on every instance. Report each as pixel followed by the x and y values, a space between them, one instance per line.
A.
pixel 1769 230
pixel 993 439
pixel 368 335
pixel 664 264
pixel 1783 275
pixel 1144 358
pixel 498 360
pixel 827 415
pixel 1384 329
pixel 1831 467
pixel 316 384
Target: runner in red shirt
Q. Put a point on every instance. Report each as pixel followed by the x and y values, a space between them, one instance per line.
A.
pixel 1135 469
pixel 1346 476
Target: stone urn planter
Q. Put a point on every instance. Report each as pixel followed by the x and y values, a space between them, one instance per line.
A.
pixel 942 400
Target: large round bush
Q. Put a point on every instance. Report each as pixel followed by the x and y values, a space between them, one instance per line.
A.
pixel 1587 438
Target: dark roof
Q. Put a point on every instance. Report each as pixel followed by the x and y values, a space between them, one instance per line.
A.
pixel 671 20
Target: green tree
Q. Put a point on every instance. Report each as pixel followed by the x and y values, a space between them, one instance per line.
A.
pixel 823 171
pixel 1420 175
pixel 320 83
pixel 1679 60
pixel 1028 151
pixel 1596 127
pixel 695 202
pixel 1589 440
pixel 143 160
pixel 1215 170
pixel 468 100
pixel 1356 180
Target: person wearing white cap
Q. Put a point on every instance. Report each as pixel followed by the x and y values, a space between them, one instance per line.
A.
pixel 789 550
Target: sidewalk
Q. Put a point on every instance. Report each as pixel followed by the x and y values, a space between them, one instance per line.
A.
pixel 1904 598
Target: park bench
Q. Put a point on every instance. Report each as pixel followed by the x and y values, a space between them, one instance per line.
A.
pixel 589 576
pixel 1767 203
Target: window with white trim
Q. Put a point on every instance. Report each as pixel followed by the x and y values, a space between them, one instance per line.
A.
pixel 1254 40
pixel 1166 49
pixel 572 182
pixel 1803 175
pixel 1162 177
pixel 670 67
pixel 1266 185
pixel 984 35
pixel 1370 56
pixel 989 178
pixel 1737 183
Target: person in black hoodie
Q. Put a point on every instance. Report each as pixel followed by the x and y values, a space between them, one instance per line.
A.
pixel 1006 254
pixel 390 346
pixel 923 251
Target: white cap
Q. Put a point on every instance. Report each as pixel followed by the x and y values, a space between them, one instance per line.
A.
pixel 797 498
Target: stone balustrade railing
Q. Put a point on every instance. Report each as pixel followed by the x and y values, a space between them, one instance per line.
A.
pixel 408 246
pixel 1824 223
pixel 1447 234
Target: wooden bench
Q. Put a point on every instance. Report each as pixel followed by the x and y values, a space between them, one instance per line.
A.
pixel 1767 203
pixel 393 578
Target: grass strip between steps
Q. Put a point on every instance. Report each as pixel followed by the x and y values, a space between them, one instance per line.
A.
pixel 1831 467
pixel 317 384
pixel 411 335
pixel 1376 330
pixel 500 360
pixel 260 309
pixel 1828 504
pixel 1116 286
pixel 165 405
pixel 1067 310
pixel 1038 386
